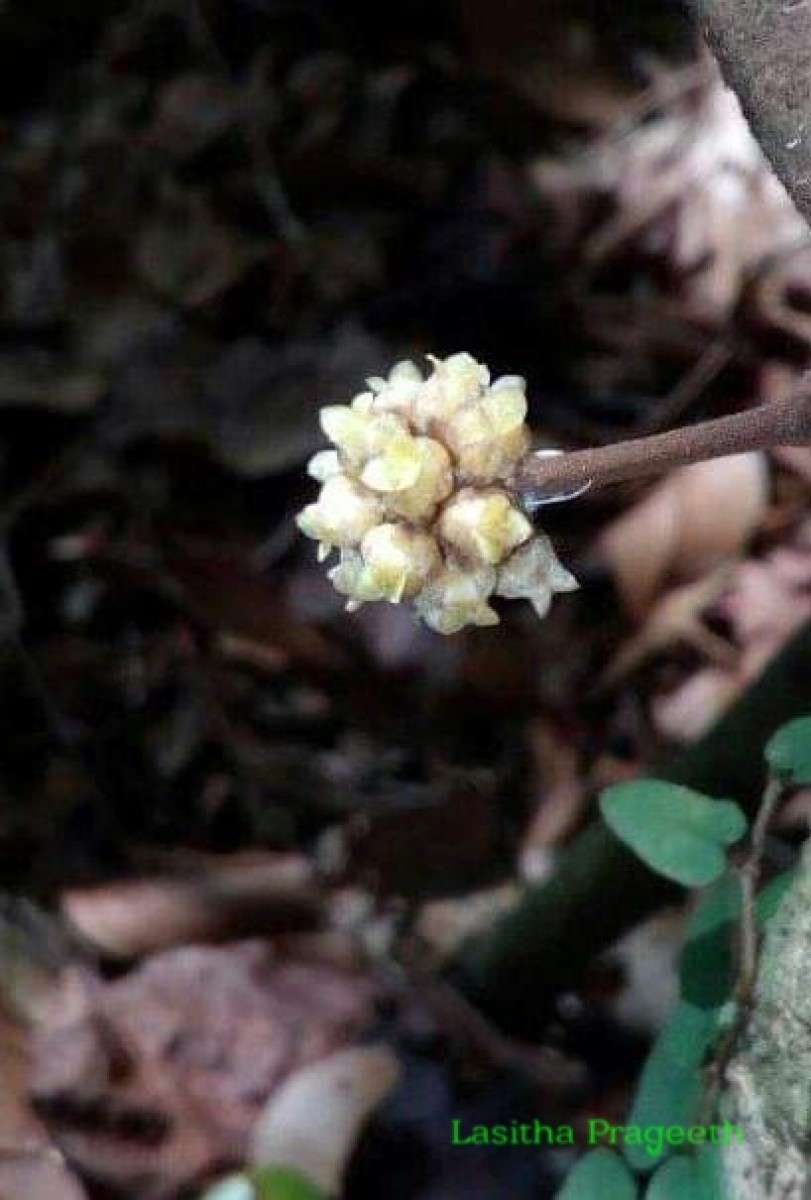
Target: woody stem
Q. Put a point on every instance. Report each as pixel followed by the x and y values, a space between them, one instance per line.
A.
pixel 783 423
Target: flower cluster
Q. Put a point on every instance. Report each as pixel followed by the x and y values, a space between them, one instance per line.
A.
pixel 415 496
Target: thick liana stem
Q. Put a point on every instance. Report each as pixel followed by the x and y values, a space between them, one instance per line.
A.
pixel 783 423
pixel 514 971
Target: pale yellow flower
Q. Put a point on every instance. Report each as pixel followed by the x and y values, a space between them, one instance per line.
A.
pixel 416 496
pixel 483 526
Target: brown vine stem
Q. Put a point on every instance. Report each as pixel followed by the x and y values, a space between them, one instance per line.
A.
pixel 782 423
pixel 749 873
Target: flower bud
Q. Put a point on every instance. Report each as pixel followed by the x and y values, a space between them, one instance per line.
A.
pixel 534 572
pixel 398 562
pixel 344 513
pixel 433 484
pixel 358 431
pixel 456 597
pixel 324 465
pixel 483 527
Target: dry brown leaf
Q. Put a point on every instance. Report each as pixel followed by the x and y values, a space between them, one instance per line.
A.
pixel 796 459
pixel 685 714
pixel 766 602
pixel 312 1122
pixel 562 797
pixel 445 924
pixel 30 1165
pixel 692 181
pixel 233 596
pixel 244 895
pixel 770 598
pixel 556 64
pixel 697 518
pixel 675 620
pixel 153 1082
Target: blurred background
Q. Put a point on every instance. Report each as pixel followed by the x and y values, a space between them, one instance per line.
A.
pixel 241 831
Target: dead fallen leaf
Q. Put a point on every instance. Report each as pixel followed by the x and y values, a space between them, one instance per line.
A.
pixel 796 459
pixel 770 597
pixel 675 620
pixel 569 77
pixel 234 597
pixel 445 924
pixel 562 797
pixel 30 1164
pixel 685 713
pixel 312 1122
pixel 698 517
pixel 766 601
pixel 244 895
pixel 153 1082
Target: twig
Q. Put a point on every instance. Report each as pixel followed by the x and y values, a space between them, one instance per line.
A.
pixel 784 423
pixel 267 180
pixel 749 873
pixel 689 388
pixel 743 991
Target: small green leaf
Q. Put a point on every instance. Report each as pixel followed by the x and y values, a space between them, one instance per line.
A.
pixel 708 964
pixel 670 1087
pixel 769 898
pixel 676 831
pixel 675 1180
pixel 788 752
pixel 284 1183
pixel 599 1175
pixel 710 1170
pixel 707 969
pixel 683 1178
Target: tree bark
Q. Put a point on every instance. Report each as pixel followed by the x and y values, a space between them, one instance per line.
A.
pixel 768 1081
pixel 764 49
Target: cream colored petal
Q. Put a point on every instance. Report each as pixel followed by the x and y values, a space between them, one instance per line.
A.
pixel 397 468
pixel 433 484
pixel 398 562
pixel 345 575
pixel 483 526
pixel 456 598
pixel 339 419
pixel 343 514
pixel 505 408
pixel 323 465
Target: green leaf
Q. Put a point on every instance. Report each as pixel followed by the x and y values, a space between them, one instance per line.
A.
pixel 675 1180
pixel 712 1181
pixel 769 898
pixel 693 1178
pixel 670 1087
pixel 708 968
pixel 676 831
pixel 284 1183
pixel 599 1175
pixel 788 752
